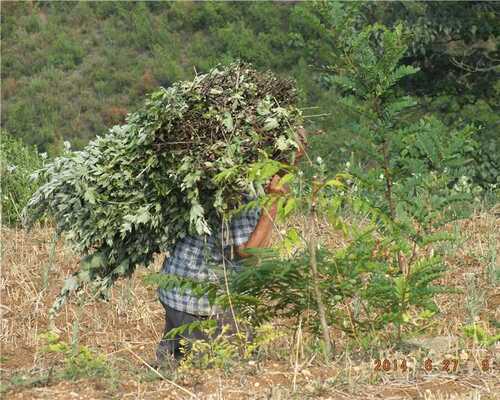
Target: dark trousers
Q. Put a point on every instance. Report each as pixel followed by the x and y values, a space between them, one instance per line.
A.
pixel 169 347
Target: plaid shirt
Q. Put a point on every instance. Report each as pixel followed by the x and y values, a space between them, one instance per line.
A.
pixel 197 258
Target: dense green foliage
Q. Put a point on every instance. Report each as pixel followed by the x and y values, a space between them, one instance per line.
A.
pixel 455 48
pixel 72 69
pixel 17 163
pixel 177 167
pixel 455 45
pixel 415 166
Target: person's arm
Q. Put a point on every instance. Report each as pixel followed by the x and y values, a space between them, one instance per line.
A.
pixel 261 235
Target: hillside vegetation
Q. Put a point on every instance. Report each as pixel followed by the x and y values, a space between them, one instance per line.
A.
pixel 70 70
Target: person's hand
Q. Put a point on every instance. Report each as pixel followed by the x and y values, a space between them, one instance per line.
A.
pixel 275 187
pixel 302 142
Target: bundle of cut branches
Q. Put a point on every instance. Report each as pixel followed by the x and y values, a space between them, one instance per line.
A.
pixel 176 166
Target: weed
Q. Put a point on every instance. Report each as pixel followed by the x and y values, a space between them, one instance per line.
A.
pixel 220 352
pixel 79 361
pixel 480 336
pixel 17 163
pixel 263 342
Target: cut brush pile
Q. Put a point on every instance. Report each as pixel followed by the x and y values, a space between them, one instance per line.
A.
pixel 178 165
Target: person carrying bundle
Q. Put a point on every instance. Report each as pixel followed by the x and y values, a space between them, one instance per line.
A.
pixel 191 258
pixel 164 181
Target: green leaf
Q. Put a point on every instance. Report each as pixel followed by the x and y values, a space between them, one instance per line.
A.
pixel 270 124
pixel 290 206
pixel 293 236
pixel 335 183
pixel 228 121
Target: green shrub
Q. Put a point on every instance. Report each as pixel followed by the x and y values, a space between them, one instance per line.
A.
pixel 142 27
pixel 80 361
pixel 17 163
pixel 33 24
pixel 65 53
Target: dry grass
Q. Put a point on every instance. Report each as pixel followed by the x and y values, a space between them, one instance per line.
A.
pixel 126 329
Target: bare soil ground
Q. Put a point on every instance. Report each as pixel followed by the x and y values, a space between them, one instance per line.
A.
pixel 124 332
